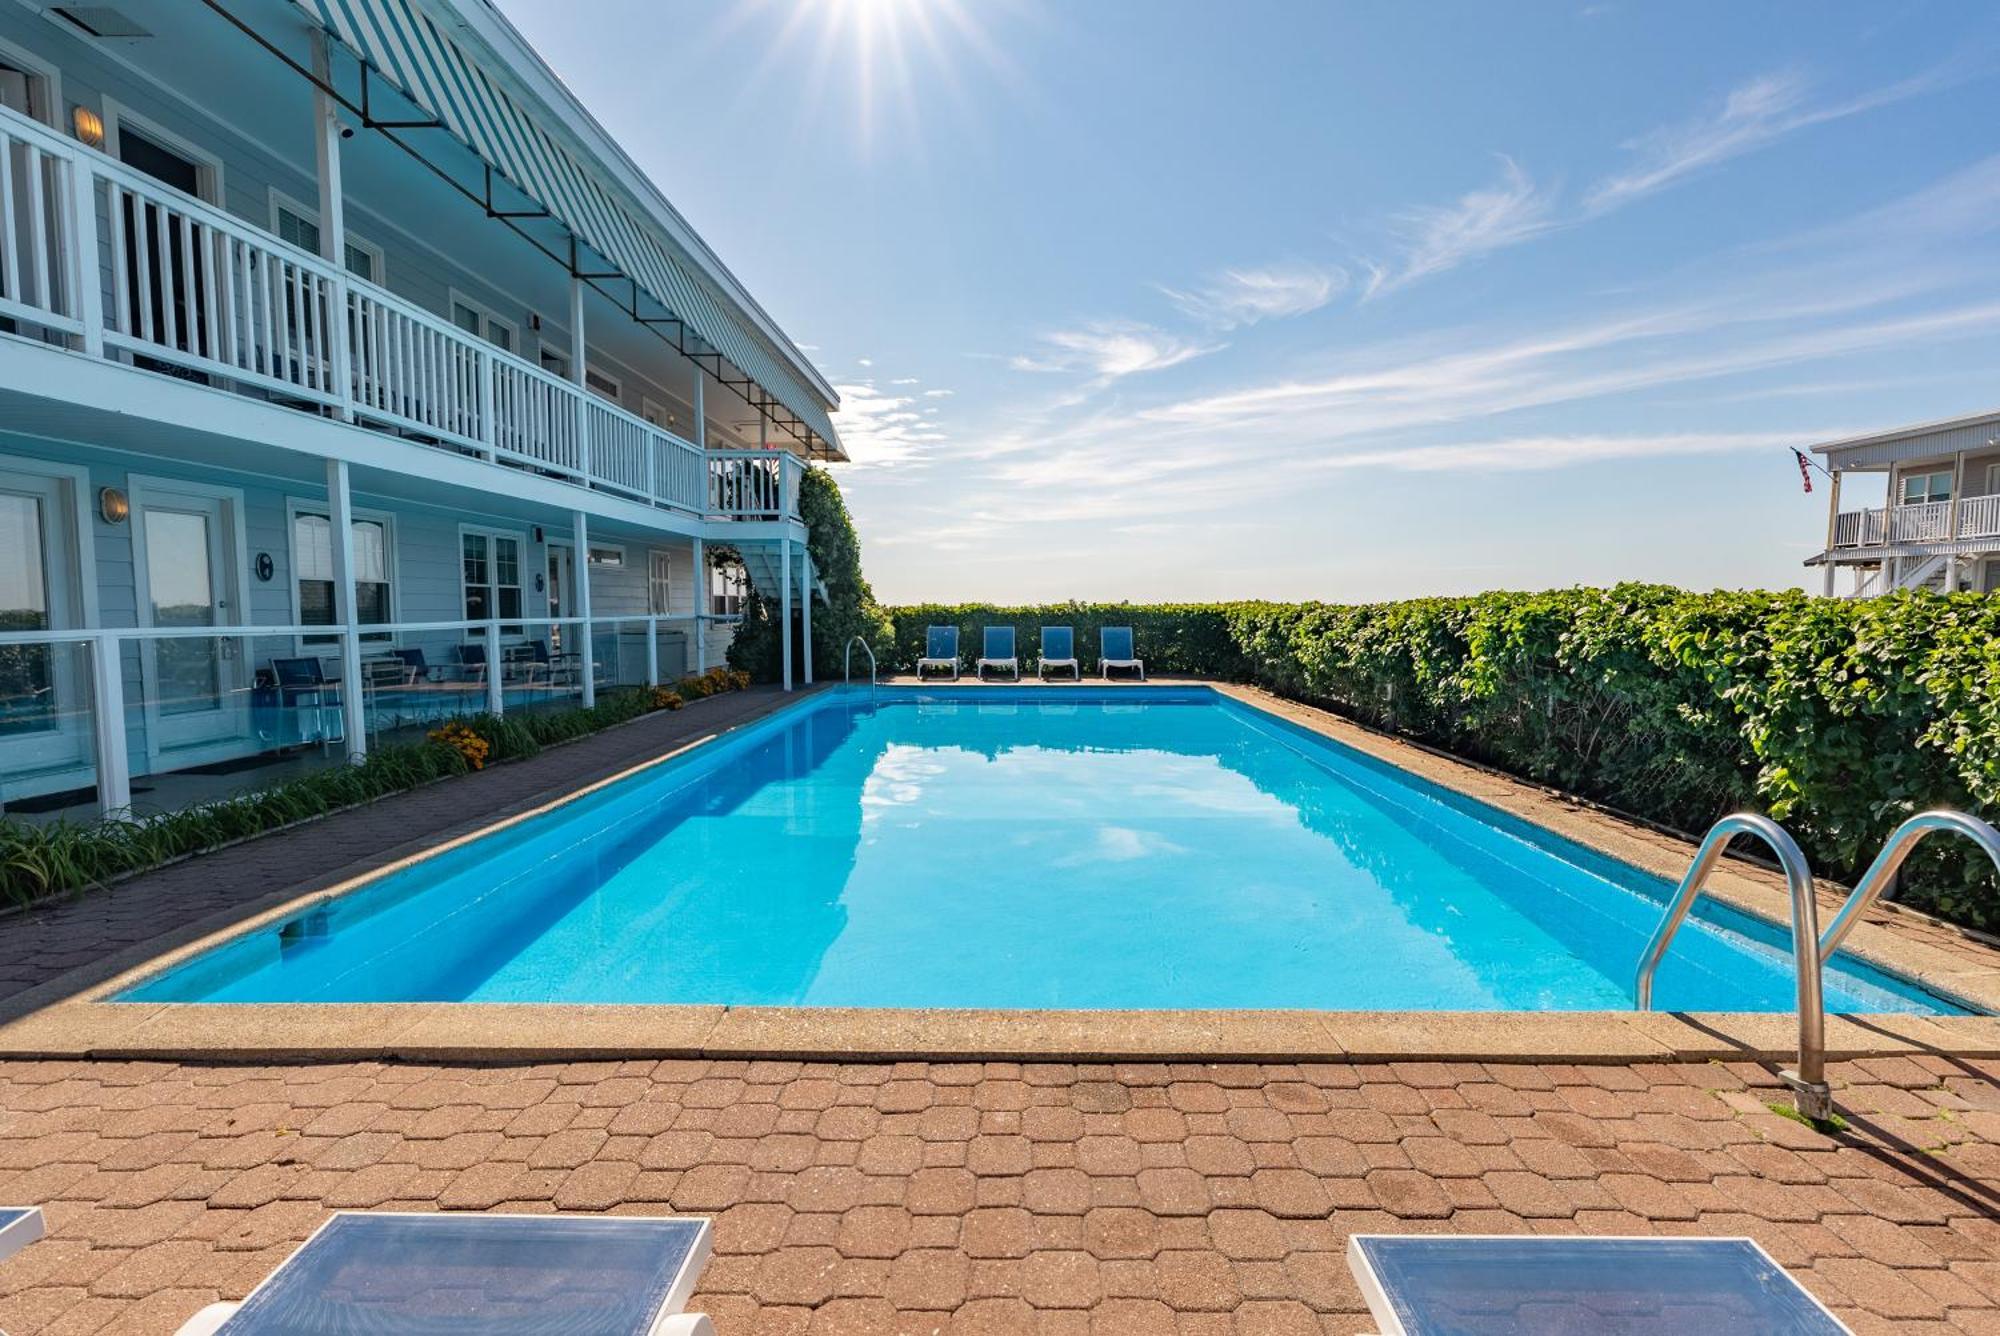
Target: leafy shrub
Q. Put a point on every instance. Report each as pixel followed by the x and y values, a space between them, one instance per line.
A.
pixel 468 744
pixel 850 609
pixel 1838 717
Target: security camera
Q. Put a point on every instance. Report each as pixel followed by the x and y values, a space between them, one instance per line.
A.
pixel 347 132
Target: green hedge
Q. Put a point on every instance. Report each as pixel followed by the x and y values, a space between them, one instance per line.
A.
pixel 1837 717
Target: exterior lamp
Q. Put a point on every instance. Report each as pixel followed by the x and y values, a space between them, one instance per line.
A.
pixel 113 505
pixel 89 128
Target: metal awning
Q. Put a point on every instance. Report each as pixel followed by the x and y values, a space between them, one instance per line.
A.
pixel 404 46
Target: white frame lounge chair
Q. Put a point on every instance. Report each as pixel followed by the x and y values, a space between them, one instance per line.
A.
pixel 997 654
pixel 1416 1284
pixel 940 650
pixel 1108 646
pixel 19 1227
pixel 664 1254
pixel 1061 654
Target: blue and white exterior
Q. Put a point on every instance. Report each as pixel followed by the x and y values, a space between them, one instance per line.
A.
pixel 336 329
pixel 1933 522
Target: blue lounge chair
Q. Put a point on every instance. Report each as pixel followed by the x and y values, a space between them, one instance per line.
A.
pixel 394 1274
pixel 940 650
pixel 997 651
pixel 1425 1285
pixel 1114 650
pixel 1058 651
pixel 304 687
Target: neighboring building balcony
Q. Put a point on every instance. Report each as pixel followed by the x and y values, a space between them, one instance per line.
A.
pixel 117 265
pixel 1965 519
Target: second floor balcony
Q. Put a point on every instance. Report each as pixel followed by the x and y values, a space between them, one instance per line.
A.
pixel 114 264
pixel 1966 518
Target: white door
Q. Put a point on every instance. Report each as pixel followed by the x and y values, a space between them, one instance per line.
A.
pixel 44 689
pixel 195 686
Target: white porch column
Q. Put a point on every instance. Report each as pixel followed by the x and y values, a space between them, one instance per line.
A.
pixel 581 564
pixel 340 533
pixel 578 371
pixel 1832 528
pixel 114 766
pixel 700 664
pixel 700 436
pixel 806 614
pixel 496 689
pixel 332 216
pixel 785 611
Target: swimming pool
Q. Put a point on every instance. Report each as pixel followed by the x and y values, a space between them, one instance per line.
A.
pixel 1032 848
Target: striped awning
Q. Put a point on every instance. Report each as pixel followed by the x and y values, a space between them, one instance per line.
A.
pixel 403 45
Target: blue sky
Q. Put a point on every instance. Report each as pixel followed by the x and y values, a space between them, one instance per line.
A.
pixel 1346 301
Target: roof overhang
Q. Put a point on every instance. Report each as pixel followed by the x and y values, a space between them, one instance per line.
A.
pixel 1947 436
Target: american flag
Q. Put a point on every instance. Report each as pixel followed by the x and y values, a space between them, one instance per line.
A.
pixel 1805 468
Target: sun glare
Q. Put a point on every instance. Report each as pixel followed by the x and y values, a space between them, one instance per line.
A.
pixel 878 60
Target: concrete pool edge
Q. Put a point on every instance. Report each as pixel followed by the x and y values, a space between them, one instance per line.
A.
pixel 83 1024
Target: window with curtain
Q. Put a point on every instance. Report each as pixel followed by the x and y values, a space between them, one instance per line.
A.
pixel 491 575
pixel 312 567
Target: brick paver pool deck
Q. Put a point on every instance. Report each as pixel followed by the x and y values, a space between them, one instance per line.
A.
pixel 1001 1198
pixel 927 1197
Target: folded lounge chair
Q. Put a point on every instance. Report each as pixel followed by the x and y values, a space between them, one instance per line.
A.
pixel 387 1273
pixel 1425 1285
pixel 1114 650
pixel 940 650
pixel 1058 651
pixel 997 651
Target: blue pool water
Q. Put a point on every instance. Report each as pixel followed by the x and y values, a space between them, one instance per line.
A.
pixel 993 848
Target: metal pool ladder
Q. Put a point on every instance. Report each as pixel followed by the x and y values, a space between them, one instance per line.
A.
pixel 1810 947
pixel 847 663
pixel 1808 1080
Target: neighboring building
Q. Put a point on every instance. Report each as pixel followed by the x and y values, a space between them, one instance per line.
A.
pixel 339 344
pixel 1940 528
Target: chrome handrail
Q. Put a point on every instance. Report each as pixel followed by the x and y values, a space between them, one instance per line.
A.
pixel 847 662
pixel 1808 1081
pixel 1881 874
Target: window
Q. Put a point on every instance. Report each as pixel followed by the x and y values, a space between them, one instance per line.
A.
pixel 312 571
pixel 479 322
pixel 491 575
pixel 555 362
pixel 659 583
pixel 606 556
pixel 727 587
pixel 295 223
pixel 1919 488
pixel 657 413
pixel 603 386
pixel 160 154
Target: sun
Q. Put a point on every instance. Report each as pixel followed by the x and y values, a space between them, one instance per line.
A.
pixel 876 61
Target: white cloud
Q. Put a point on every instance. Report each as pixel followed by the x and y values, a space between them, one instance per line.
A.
pixel 1244 296
pixel 1525 453
pixel 880 427
pixel 1109 349
pixel 1437 238
pixel 939 394
pixel 906 380
pixel 1750 116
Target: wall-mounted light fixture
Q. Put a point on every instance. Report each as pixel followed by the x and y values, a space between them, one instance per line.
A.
pixel 112 504
pixel 88 127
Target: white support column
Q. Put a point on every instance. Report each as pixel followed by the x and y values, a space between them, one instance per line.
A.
pixel 332 216
pixel 652 651
pixel 785 612
pixel 114 766
pixel 496 692
pixel 86 280
pixel 700 436
pixel 700 664
pixel 1832 528
pixel 580 563
pixel 578 369
pixel 340 533
pixel 806 613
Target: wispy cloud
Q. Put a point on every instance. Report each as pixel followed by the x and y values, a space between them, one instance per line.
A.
pixel 1237 297
pixel 1109 349
pixel 1514 454
pixel 1749 117
pixel 1437 238
pixel 880 426
pixel 939 394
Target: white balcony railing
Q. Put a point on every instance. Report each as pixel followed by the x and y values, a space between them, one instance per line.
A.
pixel 178 284
pixel 1926 522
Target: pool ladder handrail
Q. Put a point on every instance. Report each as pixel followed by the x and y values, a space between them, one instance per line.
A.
pixel 1808 1080
pixel 847 662
pixel 1880 878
